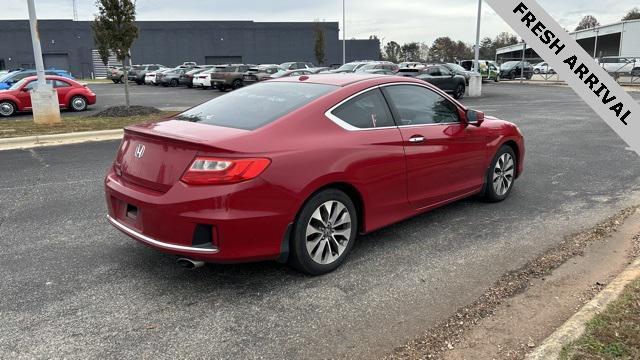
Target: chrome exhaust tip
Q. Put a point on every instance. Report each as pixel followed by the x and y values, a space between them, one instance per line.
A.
pixel 190 264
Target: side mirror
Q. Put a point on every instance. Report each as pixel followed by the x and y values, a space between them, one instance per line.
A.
pixel 25 89
pixel 474 117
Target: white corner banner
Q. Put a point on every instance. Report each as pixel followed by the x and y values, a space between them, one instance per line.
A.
pixel 590 81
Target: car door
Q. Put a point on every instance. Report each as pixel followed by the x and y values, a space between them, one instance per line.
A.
pixel 378 143
pixel 445 158
pixel 435 76
pixel 447 79
pixel 24 95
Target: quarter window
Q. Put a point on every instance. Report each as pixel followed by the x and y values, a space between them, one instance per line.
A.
pixel 365 111
pixel 416 105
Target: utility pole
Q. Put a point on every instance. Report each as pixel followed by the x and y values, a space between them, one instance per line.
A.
pixel 75 10
pixel 44 99
pixel 344 34
pixel 476 62
pixel 524 51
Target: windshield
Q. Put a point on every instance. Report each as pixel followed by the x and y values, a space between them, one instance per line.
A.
pixel 347 67
pixel 252 107
pixel 6 76
pixel 18 84
pixel 509 64
pixel 366 67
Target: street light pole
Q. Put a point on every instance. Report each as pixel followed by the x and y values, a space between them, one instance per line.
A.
pixel 35 41
pixel 44 99
pixel 476 62
pixel 344 34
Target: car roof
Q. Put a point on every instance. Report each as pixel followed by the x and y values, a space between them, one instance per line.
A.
pixel 51 77
pixel 333 79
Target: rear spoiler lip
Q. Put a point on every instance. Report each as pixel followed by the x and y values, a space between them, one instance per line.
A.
pixel 183 140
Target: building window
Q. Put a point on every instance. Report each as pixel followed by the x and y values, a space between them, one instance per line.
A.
pixel 1 64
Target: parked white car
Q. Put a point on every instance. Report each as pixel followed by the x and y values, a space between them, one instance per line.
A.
pixel 620 65
pixel 203 79
pixel 151 77
pixel 543 68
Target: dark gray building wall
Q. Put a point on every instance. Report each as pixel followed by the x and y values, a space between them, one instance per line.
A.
pixel 173 42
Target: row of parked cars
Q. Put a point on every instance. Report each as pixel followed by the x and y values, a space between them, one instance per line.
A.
pixel 449 77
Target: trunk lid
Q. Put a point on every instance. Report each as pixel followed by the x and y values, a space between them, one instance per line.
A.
pixel 156 155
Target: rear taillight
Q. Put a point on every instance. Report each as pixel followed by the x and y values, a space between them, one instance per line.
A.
pixel 210 171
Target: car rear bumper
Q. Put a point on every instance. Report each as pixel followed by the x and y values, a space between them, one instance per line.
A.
pixel 235 228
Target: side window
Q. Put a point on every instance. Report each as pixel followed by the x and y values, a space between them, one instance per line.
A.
pixel 60 84
pixel 32 84
pixel 433 71
pixel 444 71
pixel 416 105
pixel 365 111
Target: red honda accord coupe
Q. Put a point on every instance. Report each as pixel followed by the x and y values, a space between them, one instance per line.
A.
pixel 71 95
pixel 294 169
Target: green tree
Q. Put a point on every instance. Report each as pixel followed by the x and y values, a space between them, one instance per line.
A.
pixel 587 22
pixel 633 14
pixel 114 29
pixel 319 43
pixel 410 52
pixel 443 49
pixel 392 51
pixel 487 49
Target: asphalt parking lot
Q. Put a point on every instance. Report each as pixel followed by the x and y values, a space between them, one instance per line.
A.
pixel 74 287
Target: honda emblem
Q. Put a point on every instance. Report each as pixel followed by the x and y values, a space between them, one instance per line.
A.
pixel 139 151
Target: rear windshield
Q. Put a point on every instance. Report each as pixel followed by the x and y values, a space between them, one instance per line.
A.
pixel 254 106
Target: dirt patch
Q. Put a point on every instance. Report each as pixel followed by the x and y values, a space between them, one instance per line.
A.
pixel 123 111
pixel 440 341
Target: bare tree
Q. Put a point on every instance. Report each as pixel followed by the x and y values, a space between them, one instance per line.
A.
pixel 319 43
pixel 587 22
pixel 633 14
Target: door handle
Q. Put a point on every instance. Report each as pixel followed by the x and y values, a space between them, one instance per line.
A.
pixel 416 139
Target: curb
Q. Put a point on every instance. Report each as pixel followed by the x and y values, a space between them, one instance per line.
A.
pixel 574 328
pixel 59 139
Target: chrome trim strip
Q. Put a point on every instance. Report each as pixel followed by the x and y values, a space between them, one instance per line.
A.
pixel 157 243
pixel 345 125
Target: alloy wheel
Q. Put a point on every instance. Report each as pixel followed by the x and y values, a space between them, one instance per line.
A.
pixel 6 109
pixel 503 174
pixel 328 232
pixel 459 92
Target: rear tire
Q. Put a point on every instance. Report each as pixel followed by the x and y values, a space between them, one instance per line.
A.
pixel 501 175
pixel 237 84
pixel 459 92
pixel 78 103
pixel 7 108
pixel 323 233
pixel 174 82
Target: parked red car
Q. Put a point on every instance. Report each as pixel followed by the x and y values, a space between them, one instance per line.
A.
pixel 71 95
pixel 294 168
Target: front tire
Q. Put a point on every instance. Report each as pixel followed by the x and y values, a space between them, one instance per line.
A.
pixel 7 108
pixel 324 232
pixel 501 175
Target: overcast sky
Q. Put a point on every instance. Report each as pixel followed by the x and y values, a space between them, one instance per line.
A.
pixel 399 20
